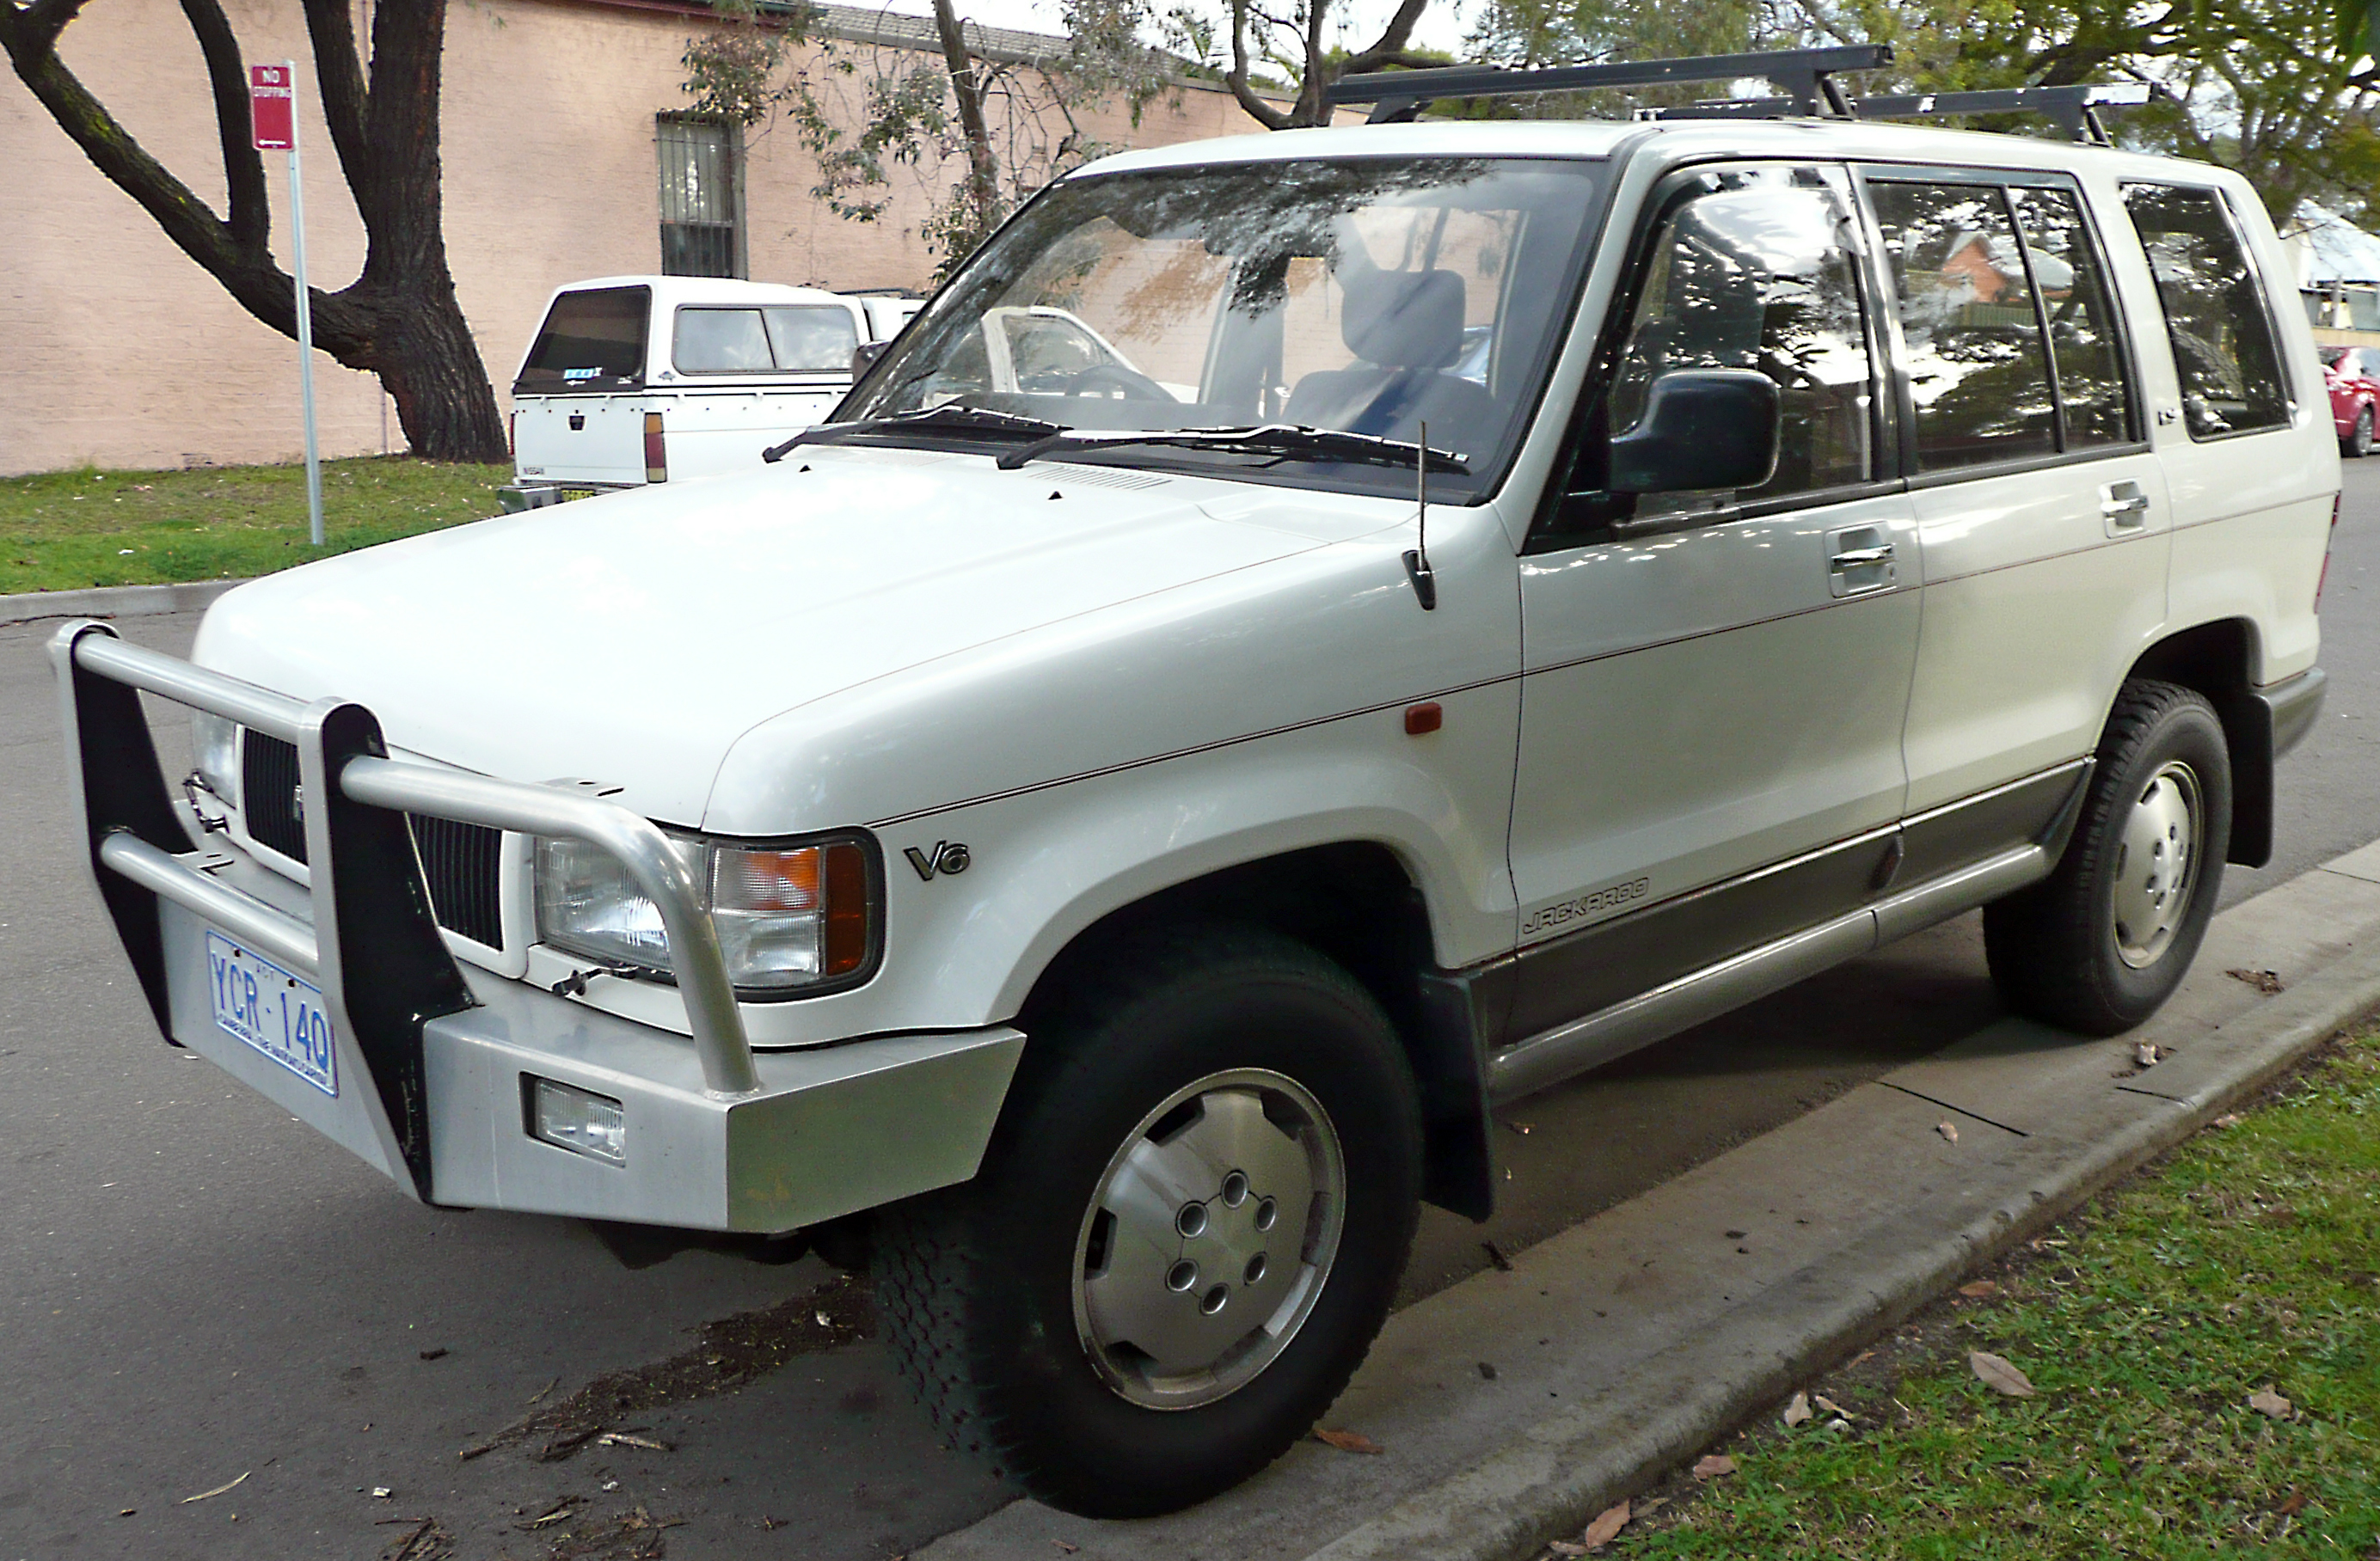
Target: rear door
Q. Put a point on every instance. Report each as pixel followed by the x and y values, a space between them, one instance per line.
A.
pixel 2041 512
pixel 577 400
pixel 1715 682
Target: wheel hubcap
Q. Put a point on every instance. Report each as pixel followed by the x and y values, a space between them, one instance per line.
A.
pixel 1208 1239
pixel 2156 865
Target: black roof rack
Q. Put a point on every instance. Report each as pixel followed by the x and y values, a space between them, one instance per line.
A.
pixel 1804 76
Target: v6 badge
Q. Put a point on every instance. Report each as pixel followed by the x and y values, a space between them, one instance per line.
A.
pixel 948 857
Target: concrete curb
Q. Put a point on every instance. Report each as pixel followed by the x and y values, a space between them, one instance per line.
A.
pixel 111 602
pixel 1512 1503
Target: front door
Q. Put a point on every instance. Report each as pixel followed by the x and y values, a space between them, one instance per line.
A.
pixel 1714 682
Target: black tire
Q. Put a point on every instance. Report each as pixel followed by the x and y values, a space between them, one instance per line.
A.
pixel 2060 951
pixel 979 1286
pixel 2358 444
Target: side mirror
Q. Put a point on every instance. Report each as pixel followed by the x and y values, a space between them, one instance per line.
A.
pixel 1703 429
pixel 864 357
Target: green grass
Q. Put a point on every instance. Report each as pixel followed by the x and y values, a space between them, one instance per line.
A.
pixel 66 530
pixel 2249 1258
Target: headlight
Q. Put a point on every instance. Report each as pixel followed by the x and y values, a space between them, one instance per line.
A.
pixel 787 916
pixel 216 740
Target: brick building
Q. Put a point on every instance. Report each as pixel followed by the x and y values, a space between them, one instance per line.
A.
pixel 566 155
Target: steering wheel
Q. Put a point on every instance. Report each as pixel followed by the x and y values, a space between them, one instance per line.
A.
pixel 1136 385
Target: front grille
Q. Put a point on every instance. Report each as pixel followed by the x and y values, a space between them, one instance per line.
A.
pixel 458 861
pixel 268 791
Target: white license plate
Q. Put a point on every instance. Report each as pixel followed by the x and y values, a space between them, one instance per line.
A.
pixel 259 1002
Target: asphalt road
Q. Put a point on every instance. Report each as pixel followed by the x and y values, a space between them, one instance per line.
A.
pixel 194 1290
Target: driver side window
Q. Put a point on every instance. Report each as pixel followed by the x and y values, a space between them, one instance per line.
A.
pixel 1755 269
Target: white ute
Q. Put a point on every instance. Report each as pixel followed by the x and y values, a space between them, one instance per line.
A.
pixel 632 380
pixel 1091 840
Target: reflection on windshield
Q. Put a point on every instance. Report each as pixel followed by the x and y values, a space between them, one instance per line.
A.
pixel 1367 297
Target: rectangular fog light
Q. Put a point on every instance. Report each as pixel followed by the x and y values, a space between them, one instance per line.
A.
pixel 576 1120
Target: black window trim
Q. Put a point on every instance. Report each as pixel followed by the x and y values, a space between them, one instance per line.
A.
pixel 2263 298
pixel 1669 192
pixel 617 384
pixel 1904 396
pixel 798 376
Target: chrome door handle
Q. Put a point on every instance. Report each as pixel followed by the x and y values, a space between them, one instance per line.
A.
pixel 2137 504
pixel 1853 557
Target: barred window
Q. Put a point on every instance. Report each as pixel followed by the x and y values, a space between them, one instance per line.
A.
pixel 698 200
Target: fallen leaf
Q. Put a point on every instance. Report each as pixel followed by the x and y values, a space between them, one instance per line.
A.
pixel 2229 1120
pixel 1651 1505
pixel 216 1492
pixel 546 1390
pixel 2265 981
pixel 437 1354
pixel 1798 1412
pixel 2265 1401
pixel 382 1492
pixel 1831 1406
pixel 1606 1527
pixel 1998 1375
pixel 2291 1505
pixel 1712 1466
pixel 621 1439
pixel 1487 1370
pixel 1496 1256
pixel 1521 1128
pixel 2148 1054
pixel 556 1516
pixel 1981 1289
pixel 1948 1131
pixel 127 1512
pixel 1346 1441
pixel 1069 1549
pixel 1565 1547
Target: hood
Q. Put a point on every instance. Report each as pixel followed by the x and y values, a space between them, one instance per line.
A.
pixel 633 638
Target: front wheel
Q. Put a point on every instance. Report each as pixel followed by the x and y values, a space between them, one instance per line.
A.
pixel 1185 1234
pixel 2099 945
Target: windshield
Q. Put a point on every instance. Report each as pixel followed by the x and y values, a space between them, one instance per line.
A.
pixel 1367 296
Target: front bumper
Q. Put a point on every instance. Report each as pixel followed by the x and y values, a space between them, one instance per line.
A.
pixel 433 1059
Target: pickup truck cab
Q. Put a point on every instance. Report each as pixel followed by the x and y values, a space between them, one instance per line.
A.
pixel 1098 840
pixel 634 380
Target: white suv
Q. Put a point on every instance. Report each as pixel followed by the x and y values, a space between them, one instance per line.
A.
pixel 1100 844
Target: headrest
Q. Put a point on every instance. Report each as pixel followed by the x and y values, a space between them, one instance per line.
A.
pixel 1403 319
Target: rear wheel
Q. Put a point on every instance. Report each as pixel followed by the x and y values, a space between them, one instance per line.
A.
pixel 1187 1230
pixel 2101 943
pixel 2358 442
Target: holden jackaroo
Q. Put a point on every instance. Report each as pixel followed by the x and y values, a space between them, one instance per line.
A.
pixel 1098 842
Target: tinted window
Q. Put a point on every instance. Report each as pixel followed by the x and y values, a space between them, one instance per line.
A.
pixel 2084 346
pixel 812 338
pixel 1756 273
pixel 1967 317
pixel 591 340
pixel 2222 339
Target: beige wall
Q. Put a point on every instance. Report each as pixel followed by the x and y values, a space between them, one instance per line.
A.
pixel 120 350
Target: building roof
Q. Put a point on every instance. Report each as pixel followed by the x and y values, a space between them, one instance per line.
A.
pixel 2330 248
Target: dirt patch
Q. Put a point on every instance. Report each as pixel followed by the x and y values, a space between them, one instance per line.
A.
pixel 727 1355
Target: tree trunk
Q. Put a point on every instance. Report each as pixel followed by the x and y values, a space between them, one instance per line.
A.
pixel 983 167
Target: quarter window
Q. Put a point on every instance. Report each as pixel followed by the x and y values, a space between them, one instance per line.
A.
pixel 1757 272
pixel 2213 313
pixel 1968 323
pixel 2085 349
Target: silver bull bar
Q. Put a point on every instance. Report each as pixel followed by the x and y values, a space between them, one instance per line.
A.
pixel 750 1144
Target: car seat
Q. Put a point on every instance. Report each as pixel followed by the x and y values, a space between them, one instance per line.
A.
pixel 1405 328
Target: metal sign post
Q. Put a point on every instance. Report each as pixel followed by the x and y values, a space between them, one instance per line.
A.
pixel 272 117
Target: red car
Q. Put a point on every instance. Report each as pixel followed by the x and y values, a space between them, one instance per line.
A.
pixel 2354 393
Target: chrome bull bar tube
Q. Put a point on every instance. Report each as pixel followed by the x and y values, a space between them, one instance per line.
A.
pixel 372 921
pixel 694 957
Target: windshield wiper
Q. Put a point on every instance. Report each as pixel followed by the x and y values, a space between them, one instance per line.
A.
pixel 949 417
pixel 1288 441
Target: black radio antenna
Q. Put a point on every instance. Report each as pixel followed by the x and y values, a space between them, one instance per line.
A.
pixel 1424 584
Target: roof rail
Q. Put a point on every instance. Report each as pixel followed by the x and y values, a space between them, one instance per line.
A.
pixel 1804 76
pixel 2075 109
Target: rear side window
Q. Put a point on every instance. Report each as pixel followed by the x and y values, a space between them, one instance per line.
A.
pixel 2214 312
pixel 788 339
pixel 1977 371
pixel 2086 348
pixel 592 340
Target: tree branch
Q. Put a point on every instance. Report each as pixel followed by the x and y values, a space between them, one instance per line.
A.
pixel 250 227
pixel 1391 41
pixel 1256 108
pixel 339 74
